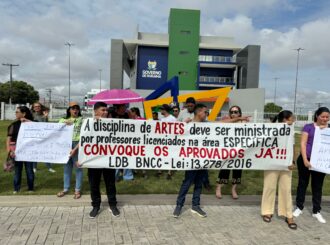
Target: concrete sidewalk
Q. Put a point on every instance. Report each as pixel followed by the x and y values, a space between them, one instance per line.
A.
pixel 147 219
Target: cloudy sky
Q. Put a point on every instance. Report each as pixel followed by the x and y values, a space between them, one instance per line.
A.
pixel 33 33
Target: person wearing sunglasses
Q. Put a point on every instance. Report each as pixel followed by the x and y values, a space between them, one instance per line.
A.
pixel 176 111
pixel 235 116
pixel 73 116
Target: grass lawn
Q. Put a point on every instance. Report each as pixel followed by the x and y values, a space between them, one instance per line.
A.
pixel 51 183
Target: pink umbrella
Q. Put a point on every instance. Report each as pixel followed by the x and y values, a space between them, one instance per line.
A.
pixel 116 96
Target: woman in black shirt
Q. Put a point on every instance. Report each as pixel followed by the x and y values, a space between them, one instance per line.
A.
pixel 22 114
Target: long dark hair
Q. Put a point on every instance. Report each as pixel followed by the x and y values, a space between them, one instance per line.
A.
pixel 283 115
pixel 68 114
pixel 238 108
pixel 136 111
pixel 26 110
pixel 320 111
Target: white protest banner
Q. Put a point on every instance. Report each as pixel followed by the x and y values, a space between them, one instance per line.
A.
pixel 44 142
pixel 137 144
pixel 320 159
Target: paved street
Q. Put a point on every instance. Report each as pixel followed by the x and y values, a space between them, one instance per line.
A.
pixel 66 221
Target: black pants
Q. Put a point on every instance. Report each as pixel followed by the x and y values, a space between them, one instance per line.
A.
pixel 223 176
pixel 94 177
pixel 303 181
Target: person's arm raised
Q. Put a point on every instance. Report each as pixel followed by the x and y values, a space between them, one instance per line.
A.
pixel 236 119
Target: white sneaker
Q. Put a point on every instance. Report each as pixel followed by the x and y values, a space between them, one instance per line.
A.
pixel 34 170
pixel 319 217
pixel 297 212
pixel 51 170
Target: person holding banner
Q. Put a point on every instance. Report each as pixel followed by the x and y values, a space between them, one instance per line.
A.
pixel 165 110
pixel 192 176
pixel 120 111
pixel 155 116
pixel 283 179
pixel 73 116
pixel 321 119
pixel 176 111
pixel 135 114
pixel 23 114
pixel 109 176
pixel 235 116
pixel 40 114
pixel 187 115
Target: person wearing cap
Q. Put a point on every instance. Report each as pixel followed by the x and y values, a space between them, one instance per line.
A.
pixel 165 111
pixel 73 116
pixel 187 114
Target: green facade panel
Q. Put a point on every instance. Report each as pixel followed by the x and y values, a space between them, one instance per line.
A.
pixel 184 26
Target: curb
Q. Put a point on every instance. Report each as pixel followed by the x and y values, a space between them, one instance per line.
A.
pixel 151 199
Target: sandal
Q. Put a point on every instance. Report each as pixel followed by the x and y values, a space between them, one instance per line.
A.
pixel 291 225
pixel 267 218
pixel 62 193
pixel 77 195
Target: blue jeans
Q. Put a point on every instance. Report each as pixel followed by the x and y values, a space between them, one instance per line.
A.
pixel 68 171
pixel 48 165
pixel 18 175
pixel 206 181
pixel 191 177
pixel 127 174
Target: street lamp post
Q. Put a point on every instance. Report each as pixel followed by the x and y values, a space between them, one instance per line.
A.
pixel 100 71
pixel 69 45
pixel 11 79
pixel 295 91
